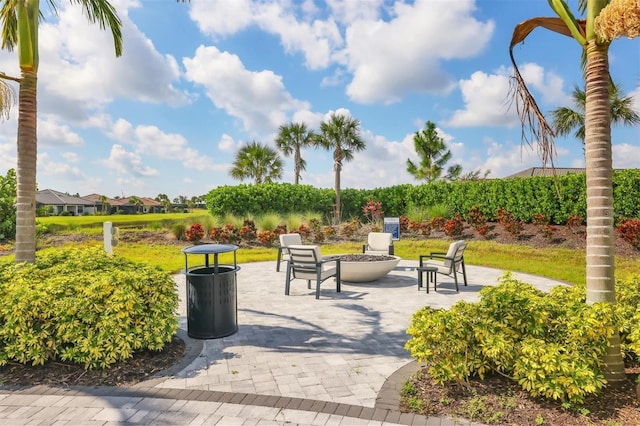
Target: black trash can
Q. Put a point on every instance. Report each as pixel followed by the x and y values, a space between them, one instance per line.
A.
pixel 212 302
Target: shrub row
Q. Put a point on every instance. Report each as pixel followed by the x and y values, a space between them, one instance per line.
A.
pixel 556 198
pixel 552 343
pixel 85 307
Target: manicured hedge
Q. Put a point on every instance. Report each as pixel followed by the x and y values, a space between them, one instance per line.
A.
pixel 556 198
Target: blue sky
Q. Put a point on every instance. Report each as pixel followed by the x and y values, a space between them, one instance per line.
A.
pixel 198 80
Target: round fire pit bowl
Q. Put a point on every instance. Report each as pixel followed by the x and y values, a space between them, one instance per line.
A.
pixel 361 268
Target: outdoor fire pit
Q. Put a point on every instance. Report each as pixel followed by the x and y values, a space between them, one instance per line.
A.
pixel 360 268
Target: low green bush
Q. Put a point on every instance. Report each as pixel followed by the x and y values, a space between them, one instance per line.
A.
pixel 85 307
pixel 551 343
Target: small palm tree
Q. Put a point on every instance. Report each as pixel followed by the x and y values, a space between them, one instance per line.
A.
pixel 104 202
pixel 290 140
pixel 341 133
pixel 258 162
pixel 566 120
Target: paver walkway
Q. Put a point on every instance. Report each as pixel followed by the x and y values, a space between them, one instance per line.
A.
pixel 294 359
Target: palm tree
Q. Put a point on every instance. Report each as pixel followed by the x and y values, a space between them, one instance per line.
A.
pixel 137 202
pixel 20 29
pixel 565 119
pixel 341 133
pixel 434 154
pixel 104 202
pixel 598 158
pixel 258 162
pixel 290 140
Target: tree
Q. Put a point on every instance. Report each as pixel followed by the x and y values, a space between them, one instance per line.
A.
pixel 104 202
pixel 600 261
pixel 8 205
pixel 566 120
pixel 433 154
pixel 340 133
pixel 136 201
pixel 290 140
pixel 20 29
pixel 258 162
pixel 164 199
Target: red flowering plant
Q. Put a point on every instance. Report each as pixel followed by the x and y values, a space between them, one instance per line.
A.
pixel 194 233
pixel 373 211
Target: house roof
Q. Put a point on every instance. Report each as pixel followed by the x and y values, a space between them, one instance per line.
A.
pixel 51 197
pixel 124 201
pixel 547 171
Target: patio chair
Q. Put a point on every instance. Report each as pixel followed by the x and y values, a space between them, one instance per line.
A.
pixel 305 262
pixel 378 243
pixel 449 263
pixel 286 240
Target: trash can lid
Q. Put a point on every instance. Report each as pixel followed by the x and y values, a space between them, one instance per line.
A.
pixel 209 249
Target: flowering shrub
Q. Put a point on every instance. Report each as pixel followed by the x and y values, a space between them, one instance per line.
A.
pixel 482 229
pixel 404 223
pixel 226 234
pixel 542 222
pixel 453 227
pixel 194 233
pixel 575 222
pixel 304 231
pixel 329 231
pixel 511 224
pixel 350 228
pixel 267 238
pixel 280 229
pixel 476 218
pixel 373 211
pixel 247 233
pixel 437 223
pixel 629 230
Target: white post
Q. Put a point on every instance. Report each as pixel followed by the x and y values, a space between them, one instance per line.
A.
pixel 110 236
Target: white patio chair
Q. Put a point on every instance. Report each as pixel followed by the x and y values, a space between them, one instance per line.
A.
pixel 449 263
pixel 378 243
pixel 286 240
pixel 305 262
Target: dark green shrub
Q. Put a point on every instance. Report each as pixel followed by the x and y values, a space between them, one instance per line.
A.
pixel 85 307
pixel 550 343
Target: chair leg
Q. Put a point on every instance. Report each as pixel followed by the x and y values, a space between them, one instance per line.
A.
pixel 288 280
pixel 279 259
pixel 464 274
pixel 338 278
pixel 317 285
pixel 455 278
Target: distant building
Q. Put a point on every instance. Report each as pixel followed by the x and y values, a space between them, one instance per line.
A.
pixel 125 206
pixel 58 202
pixel 547 171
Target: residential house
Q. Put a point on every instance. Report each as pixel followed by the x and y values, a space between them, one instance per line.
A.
pixel 546 171
pixel 58 202
pixel 125 206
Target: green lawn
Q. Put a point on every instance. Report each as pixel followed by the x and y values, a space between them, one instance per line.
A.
pixel 73 222
pixel 560 264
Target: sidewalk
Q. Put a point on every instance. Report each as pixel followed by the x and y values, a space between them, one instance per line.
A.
pixel 294 360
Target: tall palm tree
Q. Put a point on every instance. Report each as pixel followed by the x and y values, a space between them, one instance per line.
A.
pixel 433 154
pixel 104 202
pixel 598 157
pixel 340 133
pixel 566 120
pixel 258 162
pixel 19 20
pixel 290 140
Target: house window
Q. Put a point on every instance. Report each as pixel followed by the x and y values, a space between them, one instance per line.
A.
pixel 80 210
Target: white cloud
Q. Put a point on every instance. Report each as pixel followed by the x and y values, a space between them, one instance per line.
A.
pixel 485 102
pixel 258 99
pixel 547 83
pixel 47 167
pixel 227 144
pixel 127 163
pixel 392 59
pixel 314 38
pixel 626 156
pixel 71 157
pixel 8 159
pixel 142 73
pixel 51 133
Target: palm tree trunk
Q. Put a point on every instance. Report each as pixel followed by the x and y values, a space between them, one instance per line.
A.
pixel 296 166
pixel 600 226
pixel 26 173
pixel 338 168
